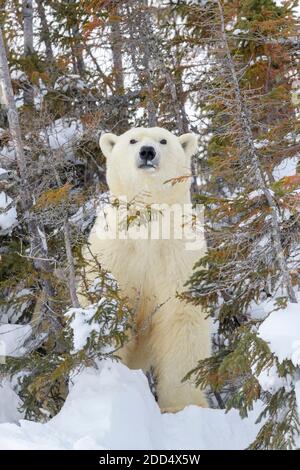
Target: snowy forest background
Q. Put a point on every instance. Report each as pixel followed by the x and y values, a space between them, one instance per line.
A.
pixel 225 70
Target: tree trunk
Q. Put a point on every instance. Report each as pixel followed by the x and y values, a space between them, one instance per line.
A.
pixel 28 46
pixel 118 71
pixel 181 98
pixel 67 238
pixel 140 33
pixel 76 47
pixel 79 66
pixel 71 267
pixel 45 35
pixel 246 125
pixel 37 237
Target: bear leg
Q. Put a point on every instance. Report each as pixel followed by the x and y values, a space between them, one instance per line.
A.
pixel 135 353
pixel 180 338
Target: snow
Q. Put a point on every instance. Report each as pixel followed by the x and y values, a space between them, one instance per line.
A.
pixel 82 325
pixel 112 408
pixel 18 75
pixel 87 213
pixel 12 310
pixel 63 134
pixel 270 381
pixel 259 144
pixel 43 239
pixel 3 174
pixel 8 151
pixel 255 193
pixel 12 338
pixel 281 329
pixel 40 92
pixel 84 322
pixel 8 218
pixel 288 167
pixel 257 311
pixel 9 413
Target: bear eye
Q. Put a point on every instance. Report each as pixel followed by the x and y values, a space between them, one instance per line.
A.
pixel 163 141
pixel 133 141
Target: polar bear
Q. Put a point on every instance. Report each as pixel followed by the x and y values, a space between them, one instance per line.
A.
pixel 152 166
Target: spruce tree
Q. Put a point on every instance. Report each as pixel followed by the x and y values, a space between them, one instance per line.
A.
pixel 246 100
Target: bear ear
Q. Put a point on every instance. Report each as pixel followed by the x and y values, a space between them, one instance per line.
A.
pixel 189 143
pixel 107 142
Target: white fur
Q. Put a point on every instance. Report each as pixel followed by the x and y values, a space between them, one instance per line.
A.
pixel 170 335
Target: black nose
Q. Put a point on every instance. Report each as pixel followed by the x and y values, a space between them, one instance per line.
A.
pixel 147 153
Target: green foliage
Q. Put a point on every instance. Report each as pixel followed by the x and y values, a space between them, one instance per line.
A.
pixel 43 373
pixel 282 425
pixel 240 269
pixel 13 267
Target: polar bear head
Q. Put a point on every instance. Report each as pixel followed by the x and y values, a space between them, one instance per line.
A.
pixel 148 161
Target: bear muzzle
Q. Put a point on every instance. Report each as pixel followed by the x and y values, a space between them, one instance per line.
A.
pixel 147 158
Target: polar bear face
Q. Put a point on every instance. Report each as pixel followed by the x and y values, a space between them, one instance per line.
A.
pixel 146 160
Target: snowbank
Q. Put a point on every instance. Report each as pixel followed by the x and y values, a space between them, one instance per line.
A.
pixel 10 411
pixel 12 338
pixel 282 331
pixel 8 214
pixel 113 408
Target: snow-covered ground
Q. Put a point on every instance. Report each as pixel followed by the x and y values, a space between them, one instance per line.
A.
pixel 112 408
